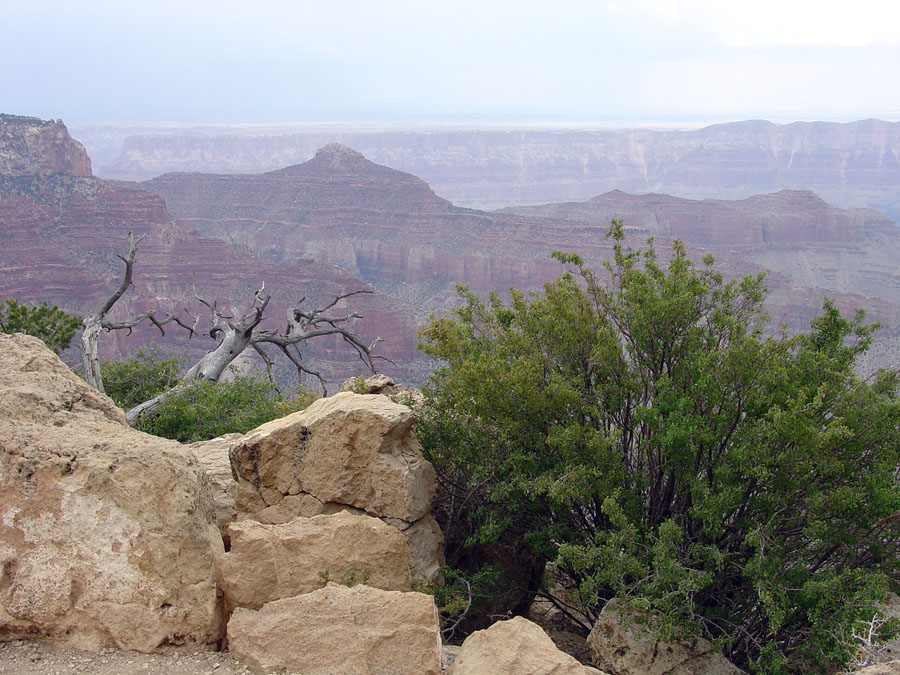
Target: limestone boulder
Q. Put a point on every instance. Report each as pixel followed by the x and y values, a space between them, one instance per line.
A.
pixel 511 648
pixel 352 449
pixel 106 533
pixel 623 642
pixel 270 562
pixel 338 630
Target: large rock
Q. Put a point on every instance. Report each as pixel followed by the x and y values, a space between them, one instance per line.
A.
pixel 623 642
pixel 270 562
pixel 340 631
pixel 351 452
pixel 106 533
pixel 353 449
pixel 216 463
pixel 511 648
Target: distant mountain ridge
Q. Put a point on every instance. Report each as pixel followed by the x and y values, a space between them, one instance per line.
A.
pixel 852 164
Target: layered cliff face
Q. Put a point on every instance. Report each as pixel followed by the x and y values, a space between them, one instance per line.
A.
pixel 793 232
pixel 854 164
pixel 60 236
pixel 389 229
pixel 29 145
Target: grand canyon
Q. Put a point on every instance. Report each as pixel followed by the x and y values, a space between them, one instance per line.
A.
pixel 341 220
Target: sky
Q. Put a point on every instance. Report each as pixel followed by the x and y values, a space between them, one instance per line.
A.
pixel 399 61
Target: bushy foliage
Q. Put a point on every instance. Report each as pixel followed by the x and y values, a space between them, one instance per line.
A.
pixel 49 323
pixel 146 373
pixel 198 410
pixel 656 446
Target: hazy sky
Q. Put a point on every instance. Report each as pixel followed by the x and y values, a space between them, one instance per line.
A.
pixel 417 60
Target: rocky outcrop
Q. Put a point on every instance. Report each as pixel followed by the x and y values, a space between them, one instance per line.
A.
pixel 511 648
pixel 623 641
pixel 336 629
pixel 106 534
pixel 270 562
pixel 29 145
pixel 347 452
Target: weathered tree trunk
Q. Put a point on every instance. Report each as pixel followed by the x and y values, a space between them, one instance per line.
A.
pixel 90 361
pixel 214 362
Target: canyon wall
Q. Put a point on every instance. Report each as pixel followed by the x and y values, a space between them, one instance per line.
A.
pixel 855 164
pixel 389 229
pixel 60 235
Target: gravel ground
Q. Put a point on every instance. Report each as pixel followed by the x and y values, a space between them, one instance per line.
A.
pixel 33 657
pixel 27 657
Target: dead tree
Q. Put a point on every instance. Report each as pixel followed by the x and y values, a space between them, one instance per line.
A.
pixel 92 325
pixel 233 334
pixel 236 334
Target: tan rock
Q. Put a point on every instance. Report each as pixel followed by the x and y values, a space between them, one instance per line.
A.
pixel 623 642
pixel 350 448
pixel 215 461
pixel 374 384
pixel 886 668
pixel 426 550
pixel 106 533
pixel 269 562
pixel 340 631
pixel 302 505
pixel 513 647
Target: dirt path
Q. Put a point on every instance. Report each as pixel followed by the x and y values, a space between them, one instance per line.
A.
pixel 27 657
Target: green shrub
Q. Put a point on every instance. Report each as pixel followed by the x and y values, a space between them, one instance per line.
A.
pixel 49 323
pixel 142 376
pixel 656 446
pixel 199 410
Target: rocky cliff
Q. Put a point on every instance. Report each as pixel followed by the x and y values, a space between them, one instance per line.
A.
pixel 855 164
pixel 29 145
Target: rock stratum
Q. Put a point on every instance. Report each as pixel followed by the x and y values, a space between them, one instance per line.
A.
pixel 853 164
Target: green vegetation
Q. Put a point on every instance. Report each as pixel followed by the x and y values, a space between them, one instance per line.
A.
pixel 196 410
pixel 49 323
pixel 651 443
pixel 141 377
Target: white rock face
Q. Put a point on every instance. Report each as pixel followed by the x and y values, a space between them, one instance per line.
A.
pixel 270 562
pixel 106 533
pixel 511 648
pixel 340 631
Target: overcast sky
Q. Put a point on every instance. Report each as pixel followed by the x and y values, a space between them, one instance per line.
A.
pixel 456 61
